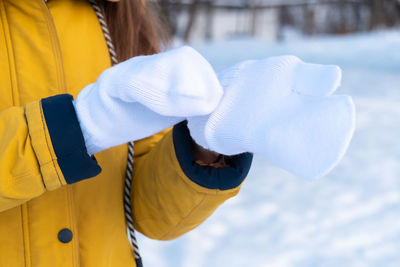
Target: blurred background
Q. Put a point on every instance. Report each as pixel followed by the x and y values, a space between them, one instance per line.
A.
pixel 351 217
pixel 196 20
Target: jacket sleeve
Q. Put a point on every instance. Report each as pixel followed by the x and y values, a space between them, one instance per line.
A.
pixel 172 194
pixel 41 148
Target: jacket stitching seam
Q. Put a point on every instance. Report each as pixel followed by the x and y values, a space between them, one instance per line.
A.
pixel 11 58
pixel 184 218
pixel 71 223
pixel 23 232
pixel 54 43
pixel 27 218
pixel 30 136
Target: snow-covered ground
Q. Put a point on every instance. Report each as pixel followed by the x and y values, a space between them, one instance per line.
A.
pixel 349 218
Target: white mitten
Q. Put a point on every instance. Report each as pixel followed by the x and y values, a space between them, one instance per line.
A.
pixel 280 108
pixel 144 95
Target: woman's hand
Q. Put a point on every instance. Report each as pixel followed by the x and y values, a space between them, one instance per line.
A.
pixel 204 156
pixel 282 109
pixel 144 95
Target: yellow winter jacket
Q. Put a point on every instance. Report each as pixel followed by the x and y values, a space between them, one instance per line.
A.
pixel 47 53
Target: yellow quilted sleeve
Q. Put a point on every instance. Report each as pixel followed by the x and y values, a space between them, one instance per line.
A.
pixel 172 194
pixel 41 148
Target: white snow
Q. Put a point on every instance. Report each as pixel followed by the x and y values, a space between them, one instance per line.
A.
pixel 350 217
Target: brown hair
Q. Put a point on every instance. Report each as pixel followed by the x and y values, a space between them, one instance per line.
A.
pixel 135 28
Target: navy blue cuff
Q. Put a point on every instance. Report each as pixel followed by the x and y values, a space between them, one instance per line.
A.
pixel 67 139
pixel 208 176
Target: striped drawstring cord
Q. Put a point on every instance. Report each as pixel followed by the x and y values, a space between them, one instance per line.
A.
pixel 129 167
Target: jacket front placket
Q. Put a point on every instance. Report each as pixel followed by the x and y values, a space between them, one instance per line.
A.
pixel 36 71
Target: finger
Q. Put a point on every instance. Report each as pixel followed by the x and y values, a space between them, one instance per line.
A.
pixel 315 79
